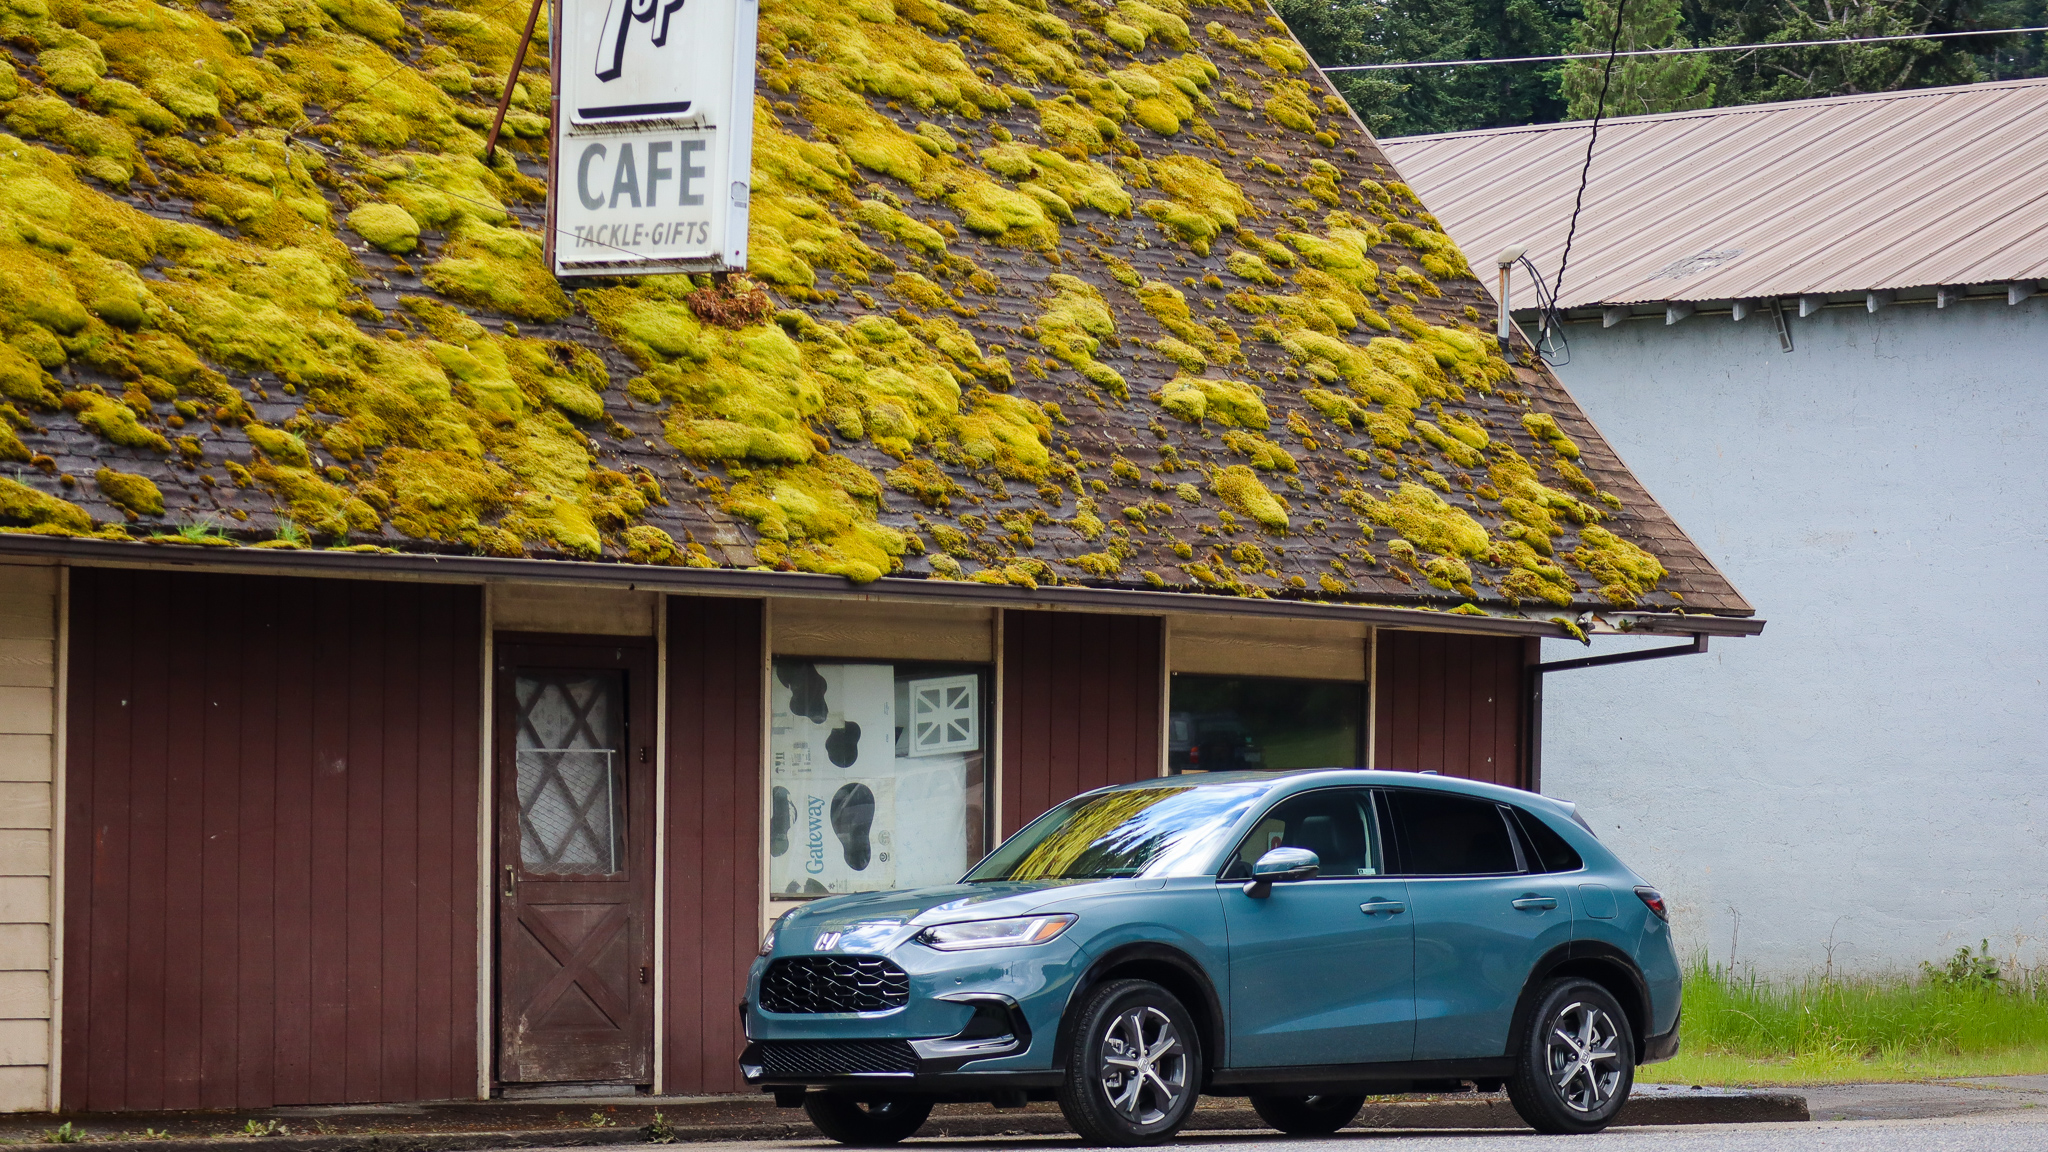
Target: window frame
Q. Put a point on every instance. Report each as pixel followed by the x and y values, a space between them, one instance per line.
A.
pixel 1361 722
pixel 1400 846
pixel 1376 833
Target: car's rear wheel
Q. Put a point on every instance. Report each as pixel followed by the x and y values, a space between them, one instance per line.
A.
pixel 866 1124
pixel 1307 1115
pixel 1134 1065
pixel 1576 1063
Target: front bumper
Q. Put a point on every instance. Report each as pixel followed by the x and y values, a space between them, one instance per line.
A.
pixel 973 1022
pixel 927 1067
pixel 890 1067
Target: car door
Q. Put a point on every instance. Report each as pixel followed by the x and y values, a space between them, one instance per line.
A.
pixel 1320 969
pixel 1481 918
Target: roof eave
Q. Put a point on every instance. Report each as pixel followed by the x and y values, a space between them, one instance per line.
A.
pixel 1679 307
pixel 742 582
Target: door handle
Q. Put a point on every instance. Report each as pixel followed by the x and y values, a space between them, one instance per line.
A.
pixel 1535 903
pixel 1374 907
pixel 511 879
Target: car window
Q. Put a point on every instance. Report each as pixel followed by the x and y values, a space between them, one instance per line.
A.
pixel 1334 823
pixel 1548 850
pixel 1165 831
pixel 1443 834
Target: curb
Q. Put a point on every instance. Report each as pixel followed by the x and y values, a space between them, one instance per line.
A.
pixel 1649 1105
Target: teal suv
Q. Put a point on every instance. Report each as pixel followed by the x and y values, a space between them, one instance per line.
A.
pixel 1304 939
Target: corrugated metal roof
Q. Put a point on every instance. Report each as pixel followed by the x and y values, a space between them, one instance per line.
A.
pixel 1900 190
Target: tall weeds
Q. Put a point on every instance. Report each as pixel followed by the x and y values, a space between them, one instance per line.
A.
pixel 1972 1005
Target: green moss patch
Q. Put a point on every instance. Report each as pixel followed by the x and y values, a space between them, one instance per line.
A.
pixel 136 495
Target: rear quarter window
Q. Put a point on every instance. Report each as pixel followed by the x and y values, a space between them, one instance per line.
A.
pixel 1548 851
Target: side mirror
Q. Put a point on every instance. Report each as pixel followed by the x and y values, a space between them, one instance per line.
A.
pixel 1280 866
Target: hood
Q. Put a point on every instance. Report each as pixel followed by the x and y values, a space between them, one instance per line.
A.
pixel 919 905
pixel 880 919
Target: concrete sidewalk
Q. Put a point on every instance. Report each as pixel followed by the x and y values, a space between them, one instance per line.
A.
pixel 469 1126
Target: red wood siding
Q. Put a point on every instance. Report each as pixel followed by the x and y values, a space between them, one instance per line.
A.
pixel 270 866
pixel 1081 706
pixel 713 870
pixel 1456 704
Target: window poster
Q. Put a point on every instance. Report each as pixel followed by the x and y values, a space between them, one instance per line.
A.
pixel 859 801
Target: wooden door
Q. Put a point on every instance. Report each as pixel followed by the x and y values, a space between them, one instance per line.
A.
pixel 575 853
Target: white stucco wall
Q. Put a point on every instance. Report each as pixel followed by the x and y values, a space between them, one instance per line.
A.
pixel 1873 770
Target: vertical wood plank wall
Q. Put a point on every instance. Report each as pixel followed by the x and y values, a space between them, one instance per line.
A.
pixel 28 715
pixel 271 849
pixel 1453 703
pixel 713 870
pixel 1080 706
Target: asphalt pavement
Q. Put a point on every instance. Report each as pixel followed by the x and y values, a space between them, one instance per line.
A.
pixel 2020 1130
pixel 1925 1098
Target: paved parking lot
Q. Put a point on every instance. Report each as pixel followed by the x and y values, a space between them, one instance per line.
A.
pixel 2020 1130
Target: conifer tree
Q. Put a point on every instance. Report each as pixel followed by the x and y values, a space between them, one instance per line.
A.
pixel 1639 85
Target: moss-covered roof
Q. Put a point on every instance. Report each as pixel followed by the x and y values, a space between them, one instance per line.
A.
pixel 1042 293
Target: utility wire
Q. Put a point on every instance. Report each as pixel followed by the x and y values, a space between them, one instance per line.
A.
pixel 1610 56
pixel 1586 170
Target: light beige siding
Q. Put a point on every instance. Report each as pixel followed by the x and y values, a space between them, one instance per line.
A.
pixel 1295 649
pixel 28 726
pixel 856 629
pixel 567 608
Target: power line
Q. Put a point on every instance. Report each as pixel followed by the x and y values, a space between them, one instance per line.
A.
pixel 1586 171
pixel 1679 51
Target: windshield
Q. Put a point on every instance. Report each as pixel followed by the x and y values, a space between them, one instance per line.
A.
pixel 1164 831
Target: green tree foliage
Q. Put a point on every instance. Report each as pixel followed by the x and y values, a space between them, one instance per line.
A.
pixel 1803 73
pixel 1636 85
pixel 1404 102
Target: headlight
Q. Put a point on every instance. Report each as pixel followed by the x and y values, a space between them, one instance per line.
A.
pixel 966 934
pixel 768 941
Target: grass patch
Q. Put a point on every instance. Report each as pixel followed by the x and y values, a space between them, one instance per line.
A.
pixel 1973 1016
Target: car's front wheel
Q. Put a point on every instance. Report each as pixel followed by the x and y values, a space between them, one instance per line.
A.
pixel 1576 1062
pixel 866 1124
pixel 1307 1115
pixel 1134 1065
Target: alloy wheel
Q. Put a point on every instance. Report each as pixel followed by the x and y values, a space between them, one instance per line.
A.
pixel 1144 1065
pixel 1583 1054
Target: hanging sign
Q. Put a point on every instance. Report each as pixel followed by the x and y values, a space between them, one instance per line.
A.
pixel 653 135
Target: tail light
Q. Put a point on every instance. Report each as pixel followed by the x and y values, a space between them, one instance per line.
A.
pixel 1654 901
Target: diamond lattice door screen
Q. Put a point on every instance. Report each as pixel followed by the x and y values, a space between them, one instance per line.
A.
pixel 568 762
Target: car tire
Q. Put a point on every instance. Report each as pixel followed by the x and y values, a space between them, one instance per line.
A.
pixel 1575 1060
pixel 1133 1065
pixel 866 1124
pixel 1308 1115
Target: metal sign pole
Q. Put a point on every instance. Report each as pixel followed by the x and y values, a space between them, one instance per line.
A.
pixel 547 240
pixel 511 79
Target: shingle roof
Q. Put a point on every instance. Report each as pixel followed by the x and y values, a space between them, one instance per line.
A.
pixel 1899 190
pixel 1047 294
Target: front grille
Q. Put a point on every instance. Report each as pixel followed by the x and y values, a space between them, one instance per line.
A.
pixel 835 1057
pixel 834 984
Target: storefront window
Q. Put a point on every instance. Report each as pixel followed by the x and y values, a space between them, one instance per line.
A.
pixel 1220 723
pixel 877 775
